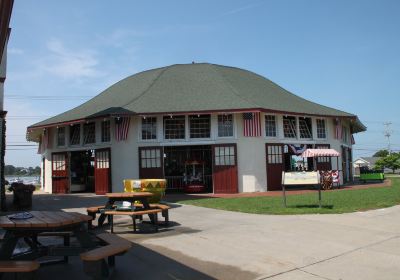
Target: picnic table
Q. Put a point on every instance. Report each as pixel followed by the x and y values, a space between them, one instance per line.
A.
pixel 126 196
pixel 38 222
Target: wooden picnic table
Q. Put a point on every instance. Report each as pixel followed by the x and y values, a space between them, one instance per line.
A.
pixel 44 222
pixel 126 196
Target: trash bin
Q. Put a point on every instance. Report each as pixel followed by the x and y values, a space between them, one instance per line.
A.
pixel 22 195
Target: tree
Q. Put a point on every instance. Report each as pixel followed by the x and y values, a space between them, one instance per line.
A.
pixel 391 161
pixel 381 153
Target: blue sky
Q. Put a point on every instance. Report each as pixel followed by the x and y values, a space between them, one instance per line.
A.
pixel 343 54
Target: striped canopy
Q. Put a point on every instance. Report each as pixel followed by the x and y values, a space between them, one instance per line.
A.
pixel 320 153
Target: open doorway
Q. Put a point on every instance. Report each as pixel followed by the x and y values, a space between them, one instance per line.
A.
pixel 178 166
pixel 82 171
pixel 293 160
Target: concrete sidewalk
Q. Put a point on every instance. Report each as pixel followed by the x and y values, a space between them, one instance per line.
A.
pixel 213 244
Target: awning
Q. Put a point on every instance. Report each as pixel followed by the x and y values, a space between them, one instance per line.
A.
pixel 320 153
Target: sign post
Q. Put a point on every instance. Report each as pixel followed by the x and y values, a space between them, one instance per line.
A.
pixel 300 178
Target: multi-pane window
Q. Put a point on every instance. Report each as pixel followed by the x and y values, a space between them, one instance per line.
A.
pixel 174 127
pixel 61 136
pixel 305 127
pixel 225 125
pixel 75 134
pixel 150 158
pixel 89 133
pixel 323 159
pixel 199 126
pixel 105 131
pixel 149 128
pixel 58 161
pixel 321 130
pixel 289 127
pixel 274 154
pixel 224 155
pixel 103 159
pixel 270 126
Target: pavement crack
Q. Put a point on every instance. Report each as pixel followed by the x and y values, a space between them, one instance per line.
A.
pixel 313 274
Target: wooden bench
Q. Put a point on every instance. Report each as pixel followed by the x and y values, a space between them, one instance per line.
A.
pixel 134 215
pixel 163 207
pixel 92 212
pixel 17 267
pixel 95 260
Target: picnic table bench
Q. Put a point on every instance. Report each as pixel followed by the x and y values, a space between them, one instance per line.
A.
pixel 134 215
pixel 19 267
pixel 94 260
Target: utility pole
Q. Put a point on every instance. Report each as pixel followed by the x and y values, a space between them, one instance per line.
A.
pixel 388 132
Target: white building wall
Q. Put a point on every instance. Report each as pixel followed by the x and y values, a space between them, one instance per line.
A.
pixel 251 154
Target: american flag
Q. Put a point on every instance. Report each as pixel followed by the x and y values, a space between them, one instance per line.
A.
pixel 338 129
pixel 122 128
pixel 251 124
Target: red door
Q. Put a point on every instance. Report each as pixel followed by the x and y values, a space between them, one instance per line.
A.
pixel 225 173
pixel 102 171
pixel 323 163
pixel 275 166
pixel 60 180
pixel 151 163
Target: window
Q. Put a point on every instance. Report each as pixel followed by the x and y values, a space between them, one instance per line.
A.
pixel 270 126
pixel 289 127
pixel 150 158
pixel 75 134
pixel 224 155
pixel 89 133
pixel 174 127
pixel 321 131
pixel 274 153
pixel 323 159
pixel 305 127
pixel 199 126
pixel 58 161
pixel 105 131
pixel 149 128
pixel 102 159
pixel 225 125
pixel 61 136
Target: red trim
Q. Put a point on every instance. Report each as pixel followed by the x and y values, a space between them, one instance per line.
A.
pixel 191 113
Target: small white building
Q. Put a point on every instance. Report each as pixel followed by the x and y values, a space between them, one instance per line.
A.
pixel 243 129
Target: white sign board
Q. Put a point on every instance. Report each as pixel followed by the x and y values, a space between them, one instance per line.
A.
pixel 300 178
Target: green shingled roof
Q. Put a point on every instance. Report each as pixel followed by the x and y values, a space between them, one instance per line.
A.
pixel 193 88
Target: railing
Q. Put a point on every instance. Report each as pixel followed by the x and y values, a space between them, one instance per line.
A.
pixel 178 183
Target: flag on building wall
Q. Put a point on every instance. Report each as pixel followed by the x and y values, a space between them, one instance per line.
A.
pixel 251 124
pixel 338 129
pixel 122 128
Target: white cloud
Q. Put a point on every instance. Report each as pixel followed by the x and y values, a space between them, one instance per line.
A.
pixel 68 63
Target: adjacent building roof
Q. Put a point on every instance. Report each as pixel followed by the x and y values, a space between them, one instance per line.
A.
pixel 194 88
pixel 370 160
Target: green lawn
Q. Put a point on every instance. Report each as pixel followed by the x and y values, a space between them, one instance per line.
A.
pixel 332 202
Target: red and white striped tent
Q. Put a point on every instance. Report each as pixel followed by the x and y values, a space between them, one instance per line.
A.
pixel 320 153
